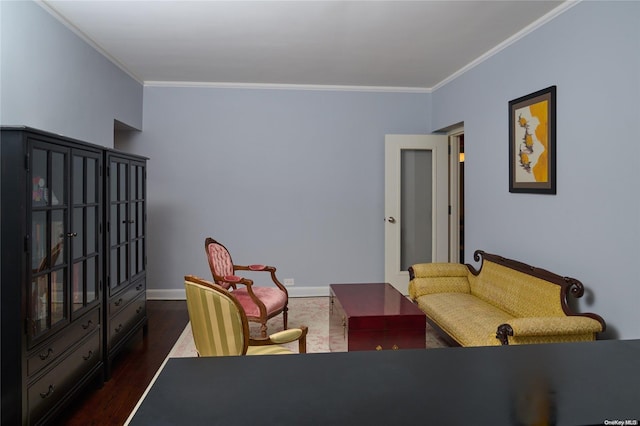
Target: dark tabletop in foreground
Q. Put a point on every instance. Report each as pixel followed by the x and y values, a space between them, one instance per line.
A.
pixel 568 383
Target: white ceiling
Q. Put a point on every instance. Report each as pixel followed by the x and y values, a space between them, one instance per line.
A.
pixel 392 44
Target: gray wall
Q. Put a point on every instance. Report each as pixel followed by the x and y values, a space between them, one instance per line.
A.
pixel 591 228
pixel 290 178
pixel 52 80
pixel 295 178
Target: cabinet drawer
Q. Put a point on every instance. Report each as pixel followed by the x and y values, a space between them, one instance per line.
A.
pixel 130 315
pixel 122 299
pixel 75 332
pixel 43 394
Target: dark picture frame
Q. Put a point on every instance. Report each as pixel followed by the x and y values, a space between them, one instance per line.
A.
pixel 532 143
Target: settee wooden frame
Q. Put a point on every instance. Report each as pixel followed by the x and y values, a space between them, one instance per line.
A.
pixel 568 285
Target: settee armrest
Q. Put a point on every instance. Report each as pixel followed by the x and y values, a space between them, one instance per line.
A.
pixel 547 326
pixel 430 278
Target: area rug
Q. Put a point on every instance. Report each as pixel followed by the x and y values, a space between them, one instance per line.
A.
pixel 310 311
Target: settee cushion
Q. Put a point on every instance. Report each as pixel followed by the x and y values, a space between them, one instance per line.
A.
pixel 466 318
pixel 518 294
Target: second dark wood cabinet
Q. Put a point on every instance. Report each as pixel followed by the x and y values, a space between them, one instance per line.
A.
pixel 125 290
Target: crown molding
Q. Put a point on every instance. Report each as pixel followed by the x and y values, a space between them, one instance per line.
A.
pixel 270 86
pixel 64 21
pixel 566 5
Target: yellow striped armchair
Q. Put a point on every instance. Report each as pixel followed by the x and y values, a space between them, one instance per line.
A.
pixel 220 326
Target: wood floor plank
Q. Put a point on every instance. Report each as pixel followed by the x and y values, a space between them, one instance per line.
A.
pixel 132 370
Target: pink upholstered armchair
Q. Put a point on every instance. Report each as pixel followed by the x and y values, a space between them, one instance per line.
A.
pixel 259 303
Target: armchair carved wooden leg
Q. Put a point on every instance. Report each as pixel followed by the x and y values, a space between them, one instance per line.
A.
pixel 285 316
pixel 263 329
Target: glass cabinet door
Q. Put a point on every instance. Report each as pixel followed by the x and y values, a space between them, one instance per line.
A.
pixel 47 298
pixel 137 219
pixel 126 221
pixel 85 226
pixel 118 224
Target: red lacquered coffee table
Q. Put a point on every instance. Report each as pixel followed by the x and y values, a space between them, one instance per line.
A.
pixel 364 317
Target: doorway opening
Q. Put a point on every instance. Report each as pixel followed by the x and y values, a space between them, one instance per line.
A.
pixel 461 197
pixel 456 196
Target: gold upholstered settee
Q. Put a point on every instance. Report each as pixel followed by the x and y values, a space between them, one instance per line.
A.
pixel 504 302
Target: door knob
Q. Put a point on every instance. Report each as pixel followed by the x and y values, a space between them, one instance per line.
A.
pixel 391 219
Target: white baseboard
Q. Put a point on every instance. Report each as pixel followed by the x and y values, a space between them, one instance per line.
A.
pixel 179 294
pixel 308 291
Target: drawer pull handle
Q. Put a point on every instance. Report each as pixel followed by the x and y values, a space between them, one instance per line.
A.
pixel 48 393
pixel 87 325
pixel 378 348
pixel 118 329
pixel 118 302
pixel 395 347
pixel 46 355
pixel 88 356
pixel 128 221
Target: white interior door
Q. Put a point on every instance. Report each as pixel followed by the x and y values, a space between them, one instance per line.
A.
pixel 416 204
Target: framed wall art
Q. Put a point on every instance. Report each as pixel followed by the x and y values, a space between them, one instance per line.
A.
pixel 532 143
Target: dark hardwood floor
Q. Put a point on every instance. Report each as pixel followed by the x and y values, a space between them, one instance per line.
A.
pixel 132 370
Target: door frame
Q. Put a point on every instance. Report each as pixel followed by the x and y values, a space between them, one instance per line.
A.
pixel 454 193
